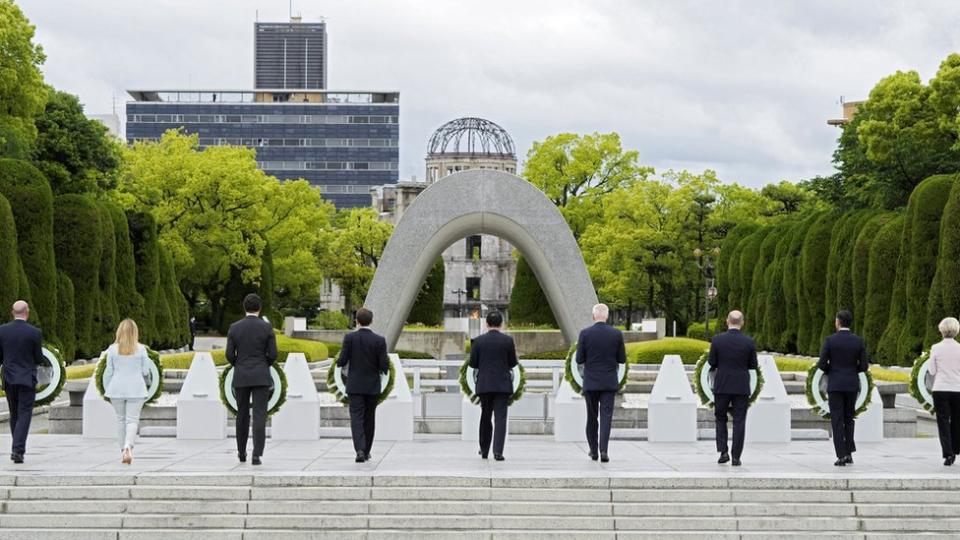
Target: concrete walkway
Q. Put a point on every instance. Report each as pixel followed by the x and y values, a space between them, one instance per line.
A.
pixel 446 456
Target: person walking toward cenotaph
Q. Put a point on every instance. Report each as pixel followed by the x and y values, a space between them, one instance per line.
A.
pixel 123 382
pixel 843 357
pixel 493 355
pixel 364 354
pixel 733 354
pixel 601 351
pixel 21 350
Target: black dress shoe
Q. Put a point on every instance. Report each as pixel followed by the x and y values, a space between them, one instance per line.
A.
pixel 604 458
pixel 594 456
pixel 368 456
pixel 256 460
pixel 841 462
pixel 949 461
pixel 242 457
pixel 735 462
pixel 724 457
pixel 361 457
pixel 848 459
pixel 482 455
pixel 16 458
pixel 498 457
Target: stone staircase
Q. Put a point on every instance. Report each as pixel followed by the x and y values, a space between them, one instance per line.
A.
pixel 234 506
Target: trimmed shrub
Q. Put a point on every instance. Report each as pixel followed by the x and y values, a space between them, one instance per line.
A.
pixel 331 320
pixel 758 290
pixel 166 331
pixel 9 260
pixel 109 316
pixel 129 301
pixel 945 290
pixel 774 314
pixel 652 352
pixel 146 257
pixel 698 330
pixel 528 304
pixel 791 285
pixel 315 351
pixel 31 201
pixel 66 317
pixel 840 239
pixel 926 206
pixel 749 256
pixel 860 267
pixel 728 267
pixel 428 308
pixel 884 254
pixel 78 245
pixel 814 256
pixel 179 331
pixel 413 355
pixel 845 278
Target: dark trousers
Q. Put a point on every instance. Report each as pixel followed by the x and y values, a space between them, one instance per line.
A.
pixel 20 402
pixel 842 406
pixel 493 404
pixel 363 420
pixel 947 405
pixel 724 404
pixel 261 395
pixel 599 404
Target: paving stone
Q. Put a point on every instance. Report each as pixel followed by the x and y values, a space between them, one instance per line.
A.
pixel 57 534
pixel 671 495
pixel 673 509
pixel 837 524
pixel 301 480
pixel 61 521
pixel 796 509
pixel 261 534
pixel 182 521
pixel 96 492
pixel 306 522
pixel 180 534
pixel 437 493
pixel 57 507
pixel 310 493
pixel 673 524
pixel 198 493
pixel 338 507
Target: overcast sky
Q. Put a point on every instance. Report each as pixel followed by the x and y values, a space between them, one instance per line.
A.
pixel 744 88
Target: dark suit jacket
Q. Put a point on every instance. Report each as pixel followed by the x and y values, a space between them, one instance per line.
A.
pixel 843 356
pixel 251 348
pixel 365 354
pixel 493 355
pixel 733 354
pixel 20 353
pixel 601 350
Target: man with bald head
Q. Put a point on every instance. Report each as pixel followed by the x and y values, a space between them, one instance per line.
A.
pixel 601 351
pixel 20 353
pixel 732 354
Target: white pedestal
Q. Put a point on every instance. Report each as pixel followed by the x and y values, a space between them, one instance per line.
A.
pixel 870 423
pixel 200 415
pixel 672 412
pixel 299 417
pixel 395 414
pixel 768 419
pixel 99 417
pixel 569 415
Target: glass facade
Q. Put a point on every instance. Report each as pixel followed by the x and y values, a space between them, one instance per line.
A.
pixel 342 146
pixel 290 55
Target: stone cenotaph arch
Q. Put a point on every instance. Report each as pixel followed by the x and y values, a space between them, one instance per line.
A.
pixel 481 202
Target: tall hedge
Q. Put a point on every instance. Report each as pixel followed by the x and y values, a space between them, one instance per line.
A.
pixel 9 260
pixel 129 300
pixel 179 311
pixel 78 245
pixel 428 308
pixel 945 291
pixel 860 266
pixel 728 267
pixel 756 309
pixel 109 313
pixel 884 254
pixel 791 285
pixel 841 242
pixel 66 317
pixel 31 200
pixel 164 317
pixel 748 263
pixel 926 206
pixel 814 257
pixel 143 237
pixel 528 303
pixel 774 314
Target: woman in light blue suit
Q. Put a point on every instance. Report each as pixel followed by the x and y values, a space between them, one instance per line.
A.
pixel 124 383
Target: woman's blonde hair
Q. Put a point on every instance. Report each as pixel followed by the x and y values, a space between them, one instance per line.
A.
pixel 949 328
pixel 128 337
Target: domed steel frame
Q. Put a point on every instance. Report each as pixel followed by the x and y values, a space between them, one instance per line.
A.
pixel 471 136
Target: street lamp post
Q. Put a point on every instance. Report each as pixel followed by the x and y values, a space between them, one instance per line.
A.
pixel 705 264
pixel 459 292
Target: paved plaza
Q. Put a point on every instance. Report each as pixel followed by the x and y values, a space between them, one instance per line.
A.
pixel 445 456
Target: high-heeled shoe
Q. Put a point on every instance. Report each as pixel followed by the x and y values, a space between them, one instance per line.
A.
pixel 127 458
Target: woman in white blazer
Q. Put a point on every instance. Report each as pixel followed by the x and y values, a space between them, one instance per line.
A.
pixel 945 368
pixel 124 383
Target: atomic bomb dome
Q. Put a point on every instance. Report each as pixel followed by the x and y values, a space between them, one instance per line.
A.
pixel 469 143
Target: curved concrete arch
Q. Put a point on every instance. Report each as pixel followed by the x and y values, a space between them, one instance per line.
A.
pixel 481 202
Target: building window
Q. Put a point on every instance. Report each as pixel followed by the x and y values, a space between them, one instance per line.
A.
pixel 474 244
pixel 473 288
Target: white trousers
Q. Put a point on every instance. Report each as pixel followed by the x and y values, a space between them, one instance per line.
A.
pixel 128 417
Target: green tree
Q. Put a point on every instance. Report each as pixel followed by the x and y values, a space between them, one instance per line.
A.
pixel 884 250
pixel 860 266
pixel 66 317
pixel 10 261
pixel 22 92
pixel 146 256
pixel 944 297
pixel 79 246
pixel 352 252
pixel 108 312
pixel 129 301
pixel 528 303
pixel 788 197
pixel 814 257
pixel 428 308
pixel 76 154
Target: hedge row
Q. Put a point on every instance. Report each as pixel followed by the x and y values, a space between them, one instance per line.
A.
pixel 898 272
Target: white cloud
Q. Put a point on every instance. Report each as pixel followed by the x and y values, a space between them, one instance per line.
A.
pixel 742 87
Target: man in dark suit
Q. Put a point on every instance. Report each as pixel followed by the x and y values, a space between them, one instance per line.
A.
pixel 251 348
pixel 732 354
pixel 843 357
pixel 494 356
pixel 364 354
pixel 21 351
pixel 601 350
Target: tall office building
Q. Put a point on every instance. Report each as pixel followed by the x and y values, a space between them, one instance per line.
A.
pixel 290 55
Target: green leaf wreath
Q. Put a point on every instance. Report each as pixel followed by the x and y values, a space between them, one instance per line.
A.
pixel 341 395
pixel 475 399
pixel 275 372
pixel 925 401
pixel 568 368
pixel 152 354
pixel 52 394
pixel 702 393
pixel 820 406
